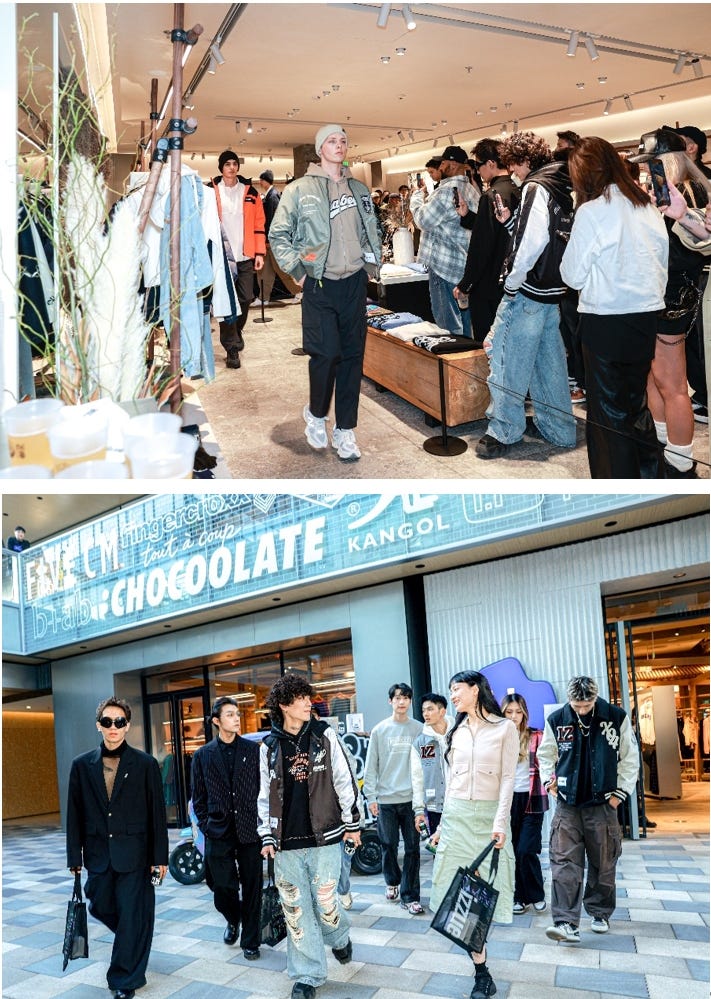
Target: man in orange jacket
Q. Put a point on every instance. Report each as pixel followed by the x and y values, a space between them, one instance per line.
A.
pixel 242 219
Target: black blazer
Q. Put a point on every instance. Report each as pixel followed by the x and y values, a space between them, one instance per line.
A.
pixel 271 203
pixel 128 832
pixel 212 795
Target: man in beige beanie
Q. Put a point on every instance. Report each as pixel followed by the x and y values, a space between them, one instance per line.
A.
pixel 324 234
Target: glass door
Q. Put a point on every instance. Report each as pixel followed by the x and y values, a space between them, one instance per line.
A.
pixel 176 731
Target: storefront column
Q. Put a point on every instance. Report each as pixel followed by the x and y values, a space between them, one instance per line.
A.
pixel 303 155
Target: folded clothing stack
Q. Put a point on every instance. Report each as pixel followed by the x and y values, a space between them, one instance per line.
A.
pixel 393 320
pixel 446 343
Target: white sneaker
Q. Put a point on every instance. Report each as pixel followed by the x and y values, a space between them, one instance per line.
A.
pixel 598 924
pixel 345 444
pixel 256 303
pixel 540 906
pixel 315 431
pixel 347 900
pixel 565 932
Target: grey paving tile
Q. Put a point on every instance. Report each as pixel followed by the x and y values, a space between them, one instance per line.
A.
pixel 205 990
pixel 391 957
pixel 678 905
pixel 414 925
pixel 699 969
pixel 700 933
pixel 457 986
pixel 619 983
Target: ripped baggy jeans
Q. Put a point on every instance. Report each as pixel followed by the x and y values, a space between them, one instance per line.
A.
pixel 307 881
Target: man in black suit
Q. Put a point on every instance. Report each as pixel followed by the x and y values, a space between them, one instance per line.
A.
pixel 117 829
pixel 225 788
pixel 270 201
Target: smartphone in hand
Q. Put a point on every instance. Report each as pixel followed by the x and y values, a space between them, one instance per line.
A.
pixel 498 205
pixel 455 197
pixel 660 187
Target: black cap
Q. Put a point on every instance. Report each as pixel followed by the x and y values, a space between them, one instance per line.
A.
pixel 653 144
pixel 455 153
pixel 20 528
pixel 228 154
pixel 695 134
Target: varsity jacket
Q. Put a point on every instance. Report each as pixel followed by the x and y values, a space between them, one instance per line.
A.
pixel 300 232
pixel 333 807
pixel 533 266
pixel 255 241
pixel 427 770
pixel 613 752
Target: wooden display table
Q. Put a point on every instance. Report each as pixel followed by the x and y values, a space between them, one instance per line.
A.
pixel 413 374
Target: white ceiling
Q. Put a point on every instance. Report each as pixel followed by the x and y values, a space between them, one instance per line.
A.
pixel 459 60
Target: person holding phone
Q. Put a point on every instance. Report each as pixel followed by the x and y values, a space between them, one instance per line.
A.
pixel 667 385
pixel 617 257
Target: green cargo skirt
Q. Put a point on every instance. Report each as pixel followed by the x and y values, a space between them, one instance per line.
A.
pixel 465 831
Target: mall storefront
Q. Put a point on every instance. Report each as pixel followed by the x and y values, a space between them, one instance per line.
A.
pixel 176 600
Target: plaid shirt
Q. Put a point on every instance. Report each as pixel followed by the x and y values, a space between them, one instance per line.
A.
pixel 444 241
pixel 537 796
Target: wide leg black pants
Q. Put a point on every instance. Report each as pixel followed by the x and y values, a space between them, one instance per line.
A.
pixel 125 903
pixel 235 877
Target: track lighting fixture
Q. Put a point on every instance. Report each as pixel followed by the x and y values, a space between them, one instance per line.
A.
pixel 572 44
pixel 212 68
pixel 249 128
pixel 238 126
pixel 261 159
pixel 628 102
pixel 407 17
pixel 434 143
pixel 697 68
pixel 192 156
pixel 400 136
pixel 216 54
pixel 504 133
pixel 680 63
pixel 451 140
pixel 592 48
pixel 515 126
pixel 385 59
pixel 412 135
pixel 401 51
pixel 383 15
pixel 602 79
pixel 608 106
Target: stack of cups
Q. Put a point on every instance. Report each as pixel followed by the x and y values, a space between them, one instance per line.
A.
pixel 155 448
pixel 28 428
pixel 80 436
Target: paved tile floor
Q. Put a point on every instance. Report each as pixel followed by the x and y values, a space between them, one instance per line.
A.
pixel 657 947
pixel 252 420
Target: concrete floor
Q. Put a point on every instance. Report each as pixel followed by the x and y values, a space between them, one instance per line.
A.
pixel 255 424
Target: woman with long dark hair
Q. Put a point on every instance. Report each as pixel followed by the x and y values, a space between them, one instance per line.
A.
pixel 617 258
pixel 481 754
pixel 530 803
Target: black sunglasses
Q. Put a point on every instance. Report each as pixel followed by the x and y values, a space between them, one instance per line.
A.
pixel 478 165
pixel 107 722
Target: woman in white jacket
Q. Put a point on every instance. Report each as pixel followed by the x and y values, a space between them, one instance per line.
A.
pixel 482 752
pixel 617 258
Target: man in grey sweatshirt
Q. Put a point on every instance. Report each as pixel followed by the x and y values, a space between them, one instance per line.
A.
pixel 387 787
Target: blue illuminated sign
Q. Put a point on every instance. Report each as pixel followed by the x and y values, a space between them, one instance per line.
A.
pixel 170 554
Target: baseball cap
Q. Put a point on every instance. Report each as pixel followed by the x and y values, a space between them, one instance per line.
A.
pixel 652 144
pixel 695 134
pixel 455 153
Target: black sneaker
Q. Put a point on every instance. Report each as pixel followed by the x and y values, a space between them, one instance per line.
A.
pixel 672 472
pixel 701 413
pixel 489 447
pixel 233 360
pixel 483 986
pixel 344 955
pixel 303 991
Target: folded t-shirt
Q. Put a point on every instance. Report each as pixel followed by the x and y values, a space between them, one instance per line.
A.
pixel 448 343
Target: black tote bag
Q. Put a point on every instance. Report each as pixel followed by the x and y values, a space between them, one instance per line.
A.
pixel 465 913
pixel 272 922
pixel 76 934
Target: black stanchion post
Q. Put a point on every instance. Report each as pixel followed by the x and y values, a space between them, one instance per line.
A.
pixel 444 445
pixel 263 318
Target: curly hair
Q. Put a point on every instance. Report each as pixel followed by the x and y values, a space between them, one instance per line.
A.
pixel 522 146
pixel 285 691
pixel 113 702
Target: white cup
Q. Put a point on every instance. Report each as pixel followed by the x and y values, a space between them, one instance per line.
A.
pixel 164 456
pixel 79 436
pixel 27 427
pixel 95 470
pixel 147 427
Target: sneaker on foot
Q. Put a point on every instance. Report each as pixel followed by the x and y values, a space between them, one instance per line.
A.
pixel 347 900
pixel 392 893
pixel 414 908
pixel 672 472
pixel 577 396
pixel 540 906
pixel 344 955
pixel 345 445
pixel 701 413
pixel 233 359
pixel 315 431
pixel 599 924
pixel 302 990
pixel 565 932
pixel 484 986
pixel 518 908
pixel 490 447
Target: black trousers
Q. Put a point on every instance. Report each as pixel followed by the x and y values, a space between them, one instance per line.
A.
pixel 244 286
pixel 571 336
pixel 483 304
pixel 621 439
pixel 526 842
pixel 125 903
pixel 334 327
pixel 695 354
pixel 233 866
pixel 393 820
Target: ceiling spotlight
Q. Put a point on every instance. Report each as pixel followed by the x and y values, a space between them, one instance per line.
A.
pixel 412 135
pixel 680 63
pixel 397 150
pixel 203 156
pixel 572 44
pixel 697 68
pixel 580 86
pixel 515 125
pixel 249 128
pixel 451 140
pixel 389 153
pixel 335 87
pixel 434 143
pixel 212 68
pixel 493 108
pixel 503 129
pixel 261 159
pixel 400 136
pixel 608 106
pixel 628 102
pixel 400 51
pixel 592 48
pixel 238 126
pixel 216 54
pixel 385 59
pixel 383 15
pixel 479 114
pixel 602 79
pixel 192 156
pixel 407 17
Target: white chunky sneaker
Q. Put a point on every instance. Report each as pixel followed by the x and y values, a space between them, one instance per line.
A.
pixel 599 924
pixel 345 444
pixel 315 431
pixel 565 932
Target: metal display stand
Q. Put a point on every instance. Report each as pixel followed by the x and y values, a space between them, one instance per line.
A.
pixel 444 445
pixel 262 318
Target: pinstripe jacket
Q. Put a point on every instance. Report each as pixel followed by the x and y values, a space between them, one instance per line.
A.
pixel 219 796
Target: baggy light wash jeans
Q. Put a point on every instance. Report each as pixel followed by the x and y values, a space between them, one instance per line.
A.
pixel 528 356
pixel 307 881
pixel 445 310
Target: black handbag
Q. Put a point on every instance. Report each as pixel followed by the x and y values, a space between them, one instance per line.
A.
pixel 76 933
pixel 272 922
pixel 465 913
pixel 679 313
